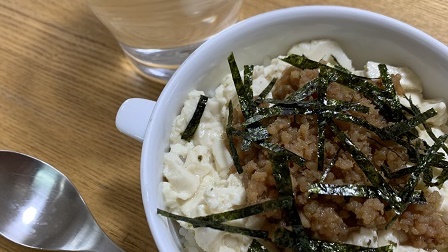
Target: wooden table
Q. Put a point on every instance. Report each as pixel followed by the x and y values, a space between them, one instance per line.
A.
pixel 63 77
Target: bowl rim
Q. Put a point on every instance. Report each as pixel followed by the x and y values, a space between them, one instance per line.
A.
pixel 234 31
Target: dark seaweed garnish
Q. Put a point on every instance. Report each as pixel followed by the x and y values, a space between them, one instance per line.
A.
pixel 266 206
pixel 193 124
pixel 327 108
pixel 279 150
pixel 357 191
pixel 338 247
pixel 215 225
pixel 390 94
pixel 266 91
pixel 311 99
pixel 232 148
pixel 243 89
pixel 256 246
pixel 338 65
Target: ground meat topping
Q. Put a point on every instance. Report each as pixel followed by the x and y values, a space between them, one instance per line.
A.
pixel 335 218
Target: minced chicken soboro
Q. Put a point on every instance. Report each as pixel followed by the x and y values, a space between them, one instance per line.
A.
pixel 334 218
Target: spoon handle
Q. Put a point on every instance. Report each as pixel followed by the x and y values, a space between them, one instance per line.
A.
pixel 105 244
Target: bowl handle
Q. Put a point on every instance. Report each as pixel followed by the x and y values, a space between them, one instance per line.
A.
pixel 133 117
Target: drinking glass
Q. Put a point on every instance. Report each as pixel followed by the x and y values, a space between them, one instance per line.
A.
pixel 158 35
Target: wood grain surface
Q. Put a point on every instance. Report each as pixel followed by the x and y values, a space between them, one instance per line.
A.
pixel 63 78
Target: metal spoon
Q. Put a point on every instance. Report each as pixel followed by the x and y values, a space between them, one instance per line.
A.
pixel 40 208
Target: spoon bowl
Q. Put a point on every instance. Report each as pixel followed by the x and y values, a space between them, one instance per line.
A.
pixel 42 209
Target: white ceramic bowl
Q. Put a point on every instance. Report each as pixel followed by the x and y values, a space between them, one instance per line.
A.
pixel 363 36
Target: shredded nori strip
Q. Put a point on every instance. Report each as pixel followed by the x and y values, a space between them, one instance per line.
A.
pixel 250 135
pixel 256 246
pixel 339 66
pixel 303 93
pixel 395 105
pixel 279 150
pixel 321 120
pixel 323 246
pixel 282 202
pixel 399 173
pixel 281 173
pixel 330 108
pixel 317 106
pixel 357 191
pixel 215 225
pixel 301 61
pixel 232 148
pixel 282 176
pixel 331 165
pixel 399 128
pixel 268 89
pixel 288 239
pixel 193 124
pixel 243 89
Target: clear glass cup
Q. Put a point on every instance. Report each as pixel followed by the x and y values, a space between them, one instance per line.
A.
pixel 158 35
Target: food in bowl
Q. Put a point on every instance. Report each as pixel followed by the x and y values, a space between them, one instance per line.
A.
pixel 354 169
